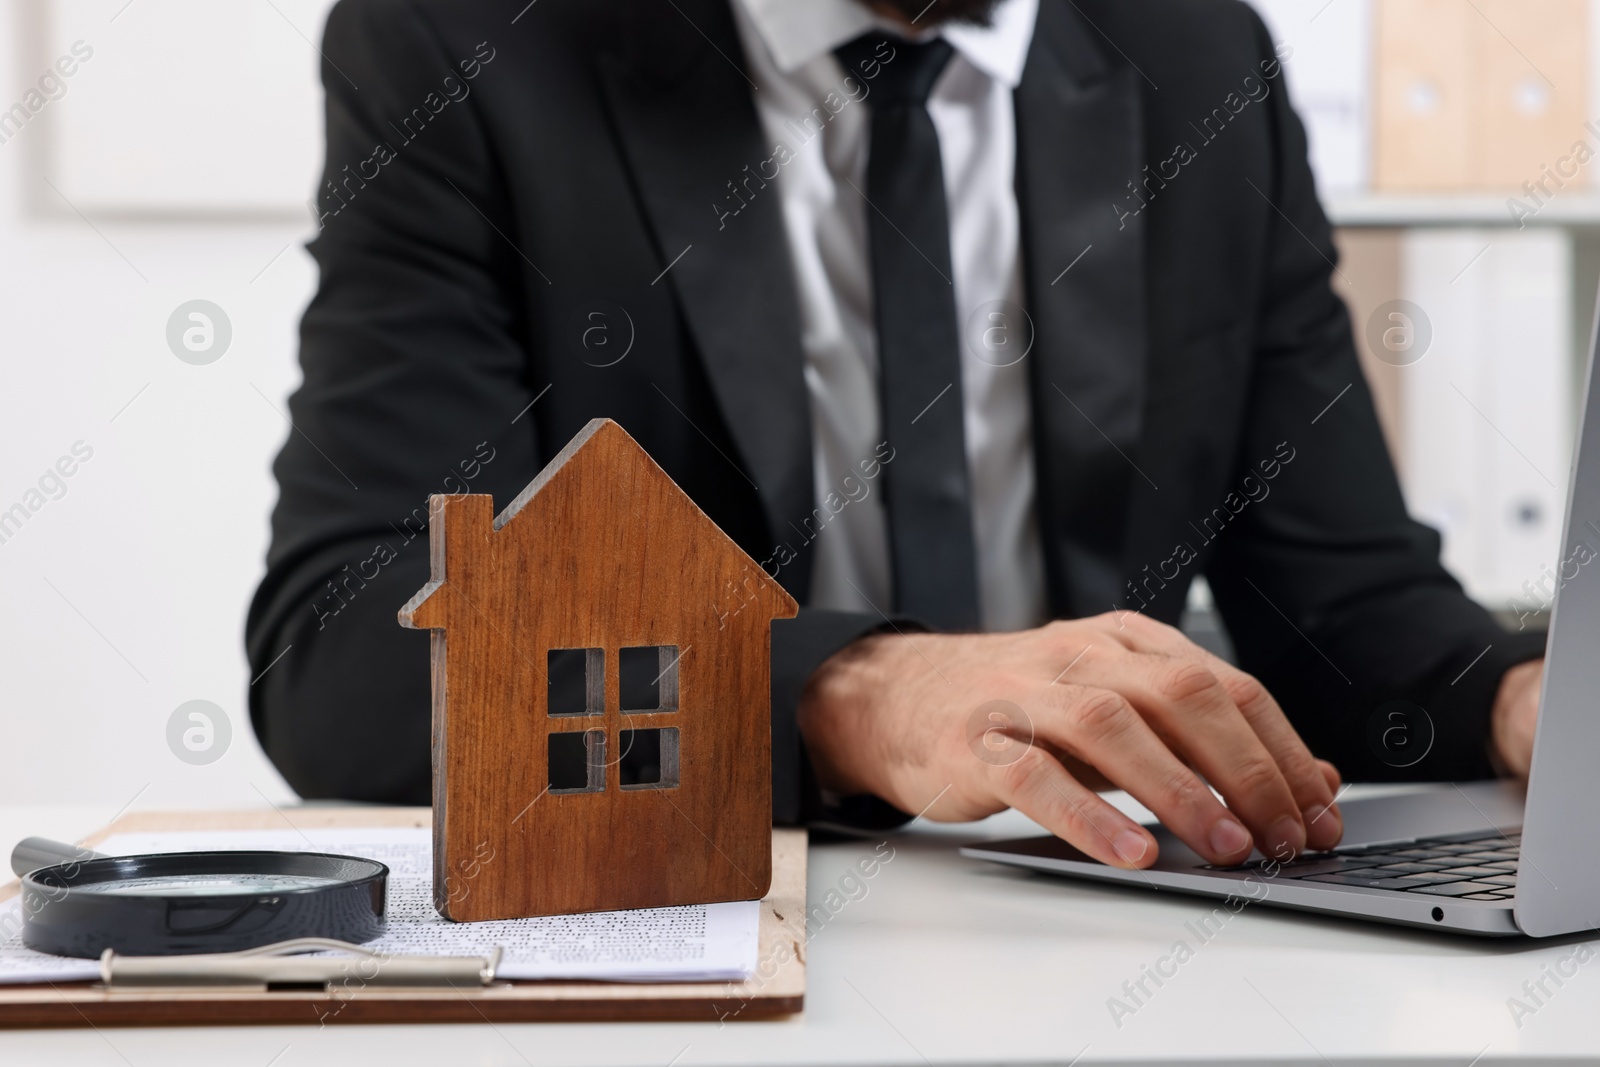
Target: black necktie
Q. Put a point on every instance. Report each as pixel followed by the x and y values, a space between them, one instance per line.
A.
pixel 933 558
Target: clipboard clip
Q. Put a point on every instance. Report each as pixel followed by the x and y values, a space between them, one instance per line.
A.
pixel 285 966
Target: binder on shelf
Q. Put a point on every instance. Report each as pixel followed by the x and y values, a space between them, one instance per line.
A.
pixel 1480 94
pixel 1422 105
pixel 1369 277
pixel 1532 90
pixel 1487 410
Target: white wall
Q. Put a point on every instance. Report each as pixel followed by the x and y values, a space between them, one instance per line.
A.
pixel 126 597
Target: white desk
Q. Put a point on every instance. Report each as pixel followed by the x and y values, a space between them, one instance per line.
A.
pixel 950 961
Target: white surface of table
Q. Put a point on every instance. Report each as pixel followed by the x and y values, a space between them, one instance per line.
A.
pixel 944 960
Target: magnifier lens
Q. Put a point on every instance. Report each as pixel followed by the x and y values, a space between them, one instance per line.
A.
pixel 183 902
pixel 208 885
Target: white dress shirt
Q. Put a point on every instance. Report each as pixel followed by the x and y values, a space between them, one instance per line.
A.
pixel 821 186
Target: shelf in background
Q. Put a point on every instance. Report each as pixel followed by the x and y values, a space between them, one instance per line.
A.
pixel 1456 209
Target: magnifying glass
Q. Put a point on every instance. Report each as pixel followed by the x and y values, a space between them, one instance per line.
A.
pixel 79 903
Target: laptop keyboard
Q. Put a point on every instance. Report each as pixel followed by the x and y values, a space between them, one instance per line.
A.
pixel 1474 866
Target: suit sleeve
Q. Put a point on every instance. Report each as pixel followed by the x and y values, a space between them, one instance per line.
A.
pixel 1336 599
pixel 415 382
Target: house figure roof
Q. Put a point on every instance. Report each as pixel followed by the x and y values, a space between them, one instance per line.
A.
pixel 601 693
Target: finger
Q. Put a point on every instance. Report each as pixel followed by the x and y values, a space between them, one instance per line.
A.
pixel 1040 787
pixel 1298 767
pixel 1303 772
pixel 1330 774
pixel 1189 709
pixel 1100 727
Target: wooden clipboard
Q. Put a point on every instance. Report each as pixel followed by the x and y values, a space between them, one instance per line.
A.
pixel 778 987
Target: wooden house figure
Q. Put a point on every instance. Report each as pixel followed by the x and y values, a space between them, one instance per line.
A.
pixel 601 703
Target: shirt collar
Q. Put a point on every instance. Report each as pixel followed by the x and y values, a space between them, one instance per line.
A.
pixel 798 31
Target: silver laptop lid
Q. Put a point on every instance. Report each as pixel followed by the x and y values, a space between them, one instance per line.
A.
pixel 1558 876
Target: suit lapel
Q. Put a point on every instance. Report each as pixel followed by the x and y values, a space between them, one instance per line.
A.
pixel 1080 134
pixel 689 130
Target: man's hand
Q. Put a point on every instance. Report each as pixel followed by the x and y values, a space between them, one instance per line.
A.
pixel 1042 719
pixel 1516 710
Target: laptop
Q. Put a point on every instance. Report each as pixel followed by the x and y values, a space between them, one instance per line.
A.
pixel 1481 858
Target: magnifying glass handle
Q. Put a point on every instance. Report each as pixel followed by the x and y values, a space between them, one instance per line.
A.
pixel 32 853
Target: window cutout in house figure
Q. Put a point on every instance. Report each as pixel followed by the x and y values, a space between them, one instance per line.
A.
pixel 577 761
pixel 648 678
pixel 649 758
pixel 575 681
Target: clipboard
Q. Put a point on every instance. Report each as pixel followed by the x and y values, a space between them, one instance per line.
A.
pixel 776 989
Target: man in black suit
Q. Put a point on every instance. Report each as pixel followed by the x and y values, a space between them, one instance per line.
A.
pixel 960 318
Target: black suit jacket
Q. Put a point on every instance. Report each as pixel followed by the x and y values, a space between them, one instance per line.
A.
pixel 495 181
